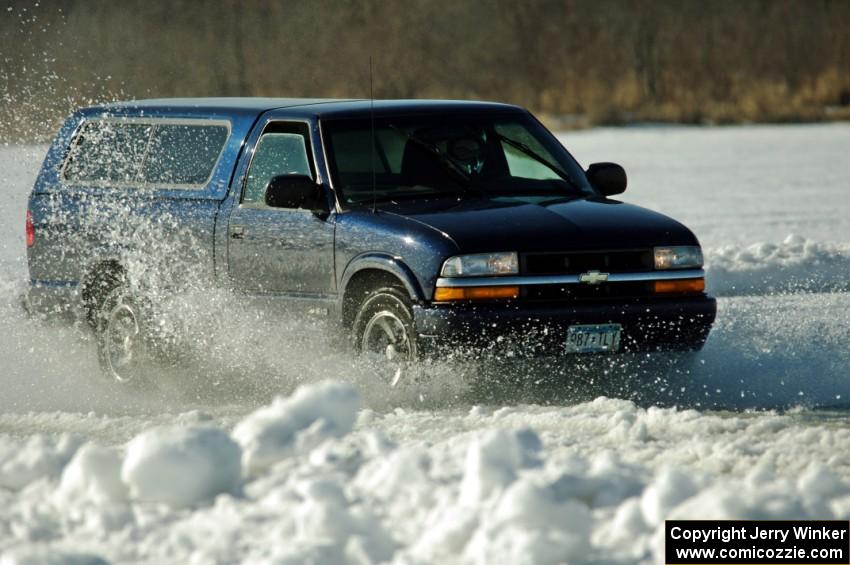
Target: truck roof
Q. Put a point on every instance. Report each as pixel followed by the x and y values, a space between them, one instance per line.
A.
pixel 319 107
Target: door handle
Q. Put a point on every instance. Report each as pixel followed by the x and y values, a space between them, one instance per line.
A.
pixel 237 232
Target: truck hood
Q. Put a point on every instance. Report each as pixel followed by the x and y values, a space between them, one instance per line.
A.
pixel 514 224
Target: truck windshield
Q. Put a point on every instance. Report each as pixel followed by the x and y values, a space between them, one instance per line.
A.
pixel 448 155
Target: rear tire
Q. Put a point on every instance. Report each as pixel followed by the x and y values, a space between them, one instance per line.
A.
pixel 97 289
pixel 122 337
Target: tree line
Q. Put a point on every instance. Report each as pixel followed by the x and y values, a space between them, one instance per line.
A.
pixel 575 62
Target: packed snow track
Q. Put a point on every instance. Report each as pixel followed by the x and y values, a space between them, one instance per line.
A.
pixel 281 449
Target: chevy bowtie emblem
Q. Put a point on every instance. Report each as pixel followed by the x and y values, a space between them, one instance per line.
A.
pixel 593 277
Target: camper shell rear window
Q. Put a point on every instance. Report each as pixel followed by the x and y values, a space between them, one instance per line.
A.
pixel 145 153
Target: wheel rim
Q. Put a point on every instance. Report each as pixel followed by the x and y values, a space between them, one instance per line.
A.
pixel 122 342
pixel 386 338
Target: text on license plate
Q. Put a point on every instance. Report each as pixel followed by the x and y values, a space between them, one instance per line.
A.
pixel 590 338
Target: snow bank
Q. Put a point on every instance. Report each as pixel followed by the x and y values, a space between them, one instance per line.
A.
pixel 587 483
pixel 531 524
pixel 40 457
pixel 94 474
pixel 493 460
pixel 297 424
pixel 181 466
pixel 326 521
pixel 794 265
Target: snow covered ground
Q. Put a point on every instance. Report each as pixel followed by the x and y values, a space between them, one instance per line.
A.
pixel 338 470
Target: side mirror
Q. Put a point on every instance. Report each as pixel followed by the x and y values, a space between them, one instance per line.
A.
pixel 607 178
pixel 296 191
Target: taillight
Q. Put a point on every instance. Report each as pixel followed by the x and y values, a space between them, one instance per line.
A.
pixel 30 230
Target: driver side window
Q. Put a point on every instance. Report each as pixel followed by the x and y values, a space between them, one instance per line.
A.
pixel 281 150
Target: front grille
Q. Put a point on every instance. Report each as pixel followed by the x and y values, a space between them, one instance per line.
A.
pixel 585 292
pixel 574 263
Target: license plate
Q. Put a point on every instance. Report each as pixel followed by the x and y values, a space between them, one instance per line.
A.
pixel 593 338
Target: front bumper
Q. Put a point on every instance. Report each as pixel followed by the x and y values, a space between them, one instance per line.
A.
pixel 656 324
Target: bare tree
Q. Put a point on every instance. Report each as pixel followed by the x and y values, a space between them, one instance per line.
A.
pixel 600 60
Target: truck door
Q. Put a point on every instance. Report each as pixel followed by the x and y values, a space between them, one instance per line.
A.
pixel 280 250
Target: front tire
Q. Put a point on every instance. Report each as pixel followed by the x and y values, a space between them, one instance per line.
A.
pixel 384 333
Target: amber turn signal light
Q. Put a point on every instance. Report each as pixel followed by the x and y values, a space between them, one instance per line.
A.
pixel 448 293
pixel 680 286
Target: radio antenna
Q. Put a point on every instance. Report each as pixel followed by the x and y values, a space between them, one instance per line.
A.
pixel 372 144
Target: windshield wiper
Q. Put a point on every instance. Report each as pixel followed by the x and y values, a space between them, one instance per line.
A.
pixel 520 146
pixel 448 164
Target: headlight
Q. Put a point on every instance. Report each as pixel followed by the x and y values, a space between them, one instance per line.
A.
pixel 684 257
pixel 481 264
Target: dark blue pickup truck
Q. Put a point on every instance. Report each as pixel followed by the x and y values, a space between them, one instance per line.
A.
pixel 418 225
